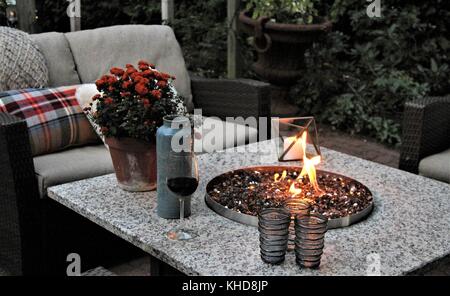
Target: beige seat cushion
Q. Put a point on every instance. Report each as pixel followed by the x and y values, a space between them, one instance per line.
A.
pixel 71 165
pixel 436 166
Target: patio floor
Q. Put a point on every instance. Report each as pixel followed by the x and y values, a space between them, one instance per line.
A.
pixel 358 146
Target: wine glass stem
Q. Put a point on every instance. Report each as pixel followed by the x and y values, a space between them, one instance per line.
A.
pixel 181 210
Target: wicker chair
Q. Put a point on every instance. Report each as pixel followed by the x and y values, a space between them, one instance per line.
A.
pixel 426 131
pixel 36 234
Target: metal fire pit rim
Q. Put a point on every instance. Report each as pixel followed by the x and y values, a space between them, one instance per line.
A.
pixel 253 220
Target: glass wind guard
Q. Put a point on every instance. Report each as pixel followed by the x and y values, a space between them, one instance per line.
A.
pixel 289 133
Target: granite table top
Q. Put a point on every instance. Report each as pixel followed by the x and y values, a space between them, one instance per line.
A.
pixel 408 228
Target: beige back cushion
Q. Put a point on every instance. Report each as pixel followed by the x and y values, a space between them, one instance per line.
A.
pixel 58 57
pixel 96 51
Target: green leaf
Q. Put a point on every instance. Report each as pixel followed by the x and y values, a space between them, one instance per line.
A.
pixel 434 66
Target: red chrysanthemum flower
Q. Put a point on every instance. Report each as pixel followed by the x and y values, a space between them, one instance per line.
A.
pixel 141 79
pixel 143 63
pixel 148 73
pixel 127 84
pixel 131 70
pixel 134 76
pixel 156 93
pixel 162 84
pixel 122 89
pixel 117 71
pixel 111 79
pixel 108 101
pixel 163 76
pixel 143 67
pixel 102 81
pixel 141 89
pixel 99 83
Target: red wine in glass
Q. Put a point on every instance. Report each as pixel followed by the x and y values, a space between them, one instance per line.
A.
pixel 183 186
pixel 182 179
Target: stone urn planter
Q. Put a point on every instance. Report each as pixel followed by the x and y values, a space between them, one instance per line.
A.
pixel 281 49
pixel 134 163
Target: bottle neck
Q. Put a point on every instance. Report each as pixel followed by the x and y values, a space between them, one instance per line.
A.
pixel 175 121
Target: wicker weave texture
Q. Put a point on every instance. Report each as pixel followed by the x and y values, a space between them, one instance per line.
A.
pixel 11 131
pixel 426 130
pixel 98 271
pixel 232 98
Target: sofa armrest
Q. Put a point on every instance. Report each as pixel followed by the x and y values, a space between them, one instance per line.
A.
pixel 18 198
pixel 231 97
pixel 426 130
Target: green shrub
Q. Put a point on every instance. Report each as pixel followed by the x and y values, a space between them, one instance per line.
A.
pixel 283 11
pixel 201 29
pixel 365 70
pixel 52 14
pixel 3 6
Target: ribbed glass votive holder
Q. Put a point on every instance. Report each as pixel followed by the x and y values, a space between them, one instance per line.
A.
pixel 296 207
pixel 310 239
pixel 273 226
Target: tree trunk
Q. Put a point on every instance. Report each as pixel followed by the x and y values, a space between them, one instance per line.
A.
pixel 26 13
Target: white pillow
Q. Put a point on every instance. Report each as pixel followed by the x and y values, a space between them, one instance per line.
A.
pixel 84 96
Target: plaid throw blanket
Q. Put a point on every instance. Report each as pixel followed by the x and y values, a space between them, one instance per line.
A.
pixel 54 118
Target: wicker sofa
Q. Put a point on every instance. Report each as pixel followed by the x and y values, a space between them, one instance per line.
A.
pixel 37 234
pixel 426 138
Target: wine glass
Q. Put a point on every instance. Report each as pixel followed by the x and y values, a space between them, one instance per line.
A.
pixel 182 180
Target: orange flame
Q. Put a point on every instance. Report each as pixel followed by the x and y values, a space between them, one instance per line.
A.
pixel 309 164
pixel 294 190
pixel 277 178
pixel 308 169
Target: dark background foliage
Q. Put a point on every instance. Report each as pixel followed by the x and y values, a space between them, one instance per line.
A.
pixel 357 78
pixel 365 70
pixel 94 14
pixel 2 12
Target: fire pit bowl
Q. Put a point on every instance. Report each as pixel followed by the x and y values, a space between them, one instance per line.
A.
pixel 240 194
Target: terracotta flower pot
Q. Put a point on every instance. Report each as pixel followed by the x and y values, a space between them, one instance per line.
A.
pixel 134 162
pixel 281 49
